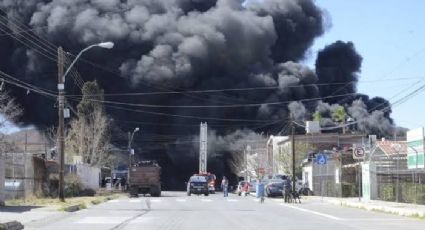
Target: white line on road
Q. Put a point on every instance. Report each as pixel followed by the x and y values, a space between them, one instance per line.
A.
pixel 312 212
pixel 135 201
pixel 102 220
pixel 156 200
pixel 206 200
pixel 181 200
pixel 232 200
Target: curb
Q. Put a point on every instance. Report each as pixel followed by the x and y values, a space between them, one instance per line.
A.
pixel 13 225
pixel 408 212
pixel 72 208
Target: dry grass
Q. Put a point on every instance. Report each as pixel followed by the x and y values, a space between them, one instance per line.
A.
pixel 83 202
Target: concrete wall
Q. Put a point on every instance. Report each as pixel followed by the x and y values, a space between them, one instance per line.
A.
pixel 273 153
pixel 308 176
pixel 2 180
pixel 89 176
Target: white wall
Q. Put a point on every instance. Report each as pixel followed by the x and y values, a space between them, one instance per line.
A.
pixel 308 170
pixel 2 180
pixel 89 176
pixel 273 147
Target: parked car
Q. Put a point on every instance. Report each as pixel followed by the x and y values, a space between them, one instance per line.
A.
pixel 253 186
pixel 274 187
pixel 280 177
pixel 211 178
pixel 197 185
pixel 243 188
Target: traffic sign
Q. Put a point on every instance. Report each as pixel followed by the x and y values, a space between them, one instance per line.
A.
pixel 321 159
pixel 358 152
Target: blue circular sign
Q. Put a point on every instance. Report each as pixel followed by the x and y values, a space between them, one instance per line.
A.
pixel 321 159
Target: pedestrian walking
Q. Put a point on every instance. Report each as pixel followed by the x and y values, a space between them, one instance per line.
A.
pixel 287 191
pixel 260 191
pixel 245 188
pixel 225 186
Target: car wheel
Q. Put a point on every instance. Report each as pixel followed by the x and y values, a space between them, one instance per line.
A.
pixel 206 194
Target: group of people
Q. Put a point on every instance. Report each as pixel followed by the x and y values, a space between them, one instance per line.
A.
pixel 288 194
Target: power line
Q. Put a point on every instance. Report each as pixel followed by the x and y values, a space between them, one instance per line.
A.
pixel 218 106
pixel 233 89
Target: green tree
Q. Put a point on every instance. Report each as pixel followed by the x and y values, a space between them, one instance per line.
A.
pixel 339 115
pixel 89 134
pixel 317 116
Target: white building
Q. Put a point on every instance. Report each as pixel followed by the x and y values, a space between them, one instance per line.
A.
pixel 273 154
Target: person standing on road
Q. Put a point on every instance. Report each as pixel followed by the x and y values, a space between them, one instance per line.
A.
pixel 260 191
pixel 224 186
pixel 287 190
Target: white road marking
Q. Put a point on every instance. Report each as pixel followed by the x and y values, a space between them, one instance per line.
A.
pixel 102 220
pixel 312 212
pixel 206 200
pixel 144 220
pixel 181 200
pixel 113 201
pixel 377 219
pixel 232 200
pixel 135 201
pixel 156 200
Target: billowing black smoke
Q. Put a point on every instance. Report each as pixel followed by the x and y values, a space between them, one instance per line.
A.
pixel 183 45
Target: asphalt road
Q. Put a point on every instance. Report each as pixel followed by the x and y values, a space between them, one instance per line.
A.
pixel 175 210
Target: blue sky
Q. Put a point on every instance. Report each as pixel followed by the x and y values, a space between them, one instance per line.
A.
pixel 390 37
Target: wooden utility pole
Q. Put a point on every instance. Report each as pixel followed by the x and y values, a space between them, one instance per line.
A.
pixel 61 131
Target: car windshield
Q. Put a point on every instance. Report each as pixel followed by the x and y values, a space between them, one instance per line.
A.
pixel 198 179
pixel 275 181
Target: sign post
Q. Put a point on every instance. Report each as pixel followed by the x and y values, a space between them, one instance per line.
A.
pixel 321 160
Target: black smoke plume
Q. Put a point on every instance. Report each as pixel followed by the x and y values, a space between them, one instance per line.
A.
pixel 181 45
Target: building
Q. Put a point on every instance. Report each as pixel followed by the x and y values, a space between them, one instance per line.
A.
pixel 273 152
pixel 339 175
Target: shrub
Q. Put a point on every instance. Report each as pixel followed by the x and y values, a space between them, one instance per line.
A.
pixel 72 186
pixel 387 192
pixel 87 192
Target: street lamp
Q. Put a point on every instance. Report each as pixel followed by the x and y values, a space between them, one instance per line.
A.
pixel 61 99
pixel 130 139
pixel 105 45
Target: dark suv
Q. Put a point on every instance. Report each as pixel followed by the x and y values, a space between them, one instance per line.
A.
pixel 197 185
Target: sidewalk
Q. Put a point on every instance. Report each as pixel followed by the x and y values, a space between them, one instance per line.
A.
pixel 402 209
pixel 29 214
pixel 43 209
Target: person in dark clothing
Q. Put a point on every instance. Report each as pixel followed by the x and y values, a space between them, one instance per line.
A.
pixel 123 183
pixel 287 190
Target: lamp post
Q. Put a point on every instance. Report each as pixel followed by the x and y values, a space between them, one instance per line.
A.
pixel 61 107
pixel 130 139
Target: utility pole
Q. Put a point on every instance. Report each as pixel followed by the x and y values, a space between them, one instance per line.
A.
pixel 61 131
pixel 293 154
pixel 203 145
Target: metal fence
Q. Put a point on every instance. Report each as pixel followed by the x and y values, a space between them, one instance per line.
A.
pixel 336 179
pixel 394 181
